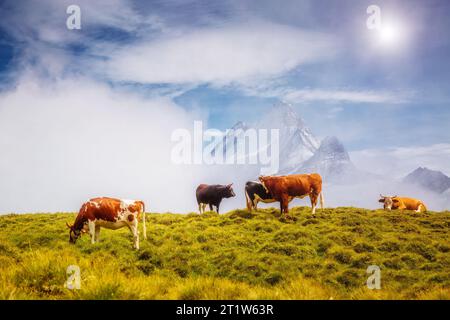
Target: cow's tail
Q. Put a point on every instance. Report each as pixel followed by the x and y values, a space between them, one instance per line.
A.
pixel 144 227
pixel 319 187
pixel 322 201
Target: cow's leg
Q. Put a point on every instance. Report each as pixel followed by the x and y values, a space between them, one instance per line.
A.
pixel 286 211
pixel 217 207
pixel 200 208
pixel 313 198
pixel 92 231
pixel 255 204
pixel 204 207
pixel 97 233
pixel 248 202
pixel 284 203
pixel 322 201
pixel 135 231
pixel 419 208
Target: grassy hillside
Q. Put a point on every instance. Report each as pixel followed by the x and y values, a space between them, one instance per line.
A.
pixel 237 255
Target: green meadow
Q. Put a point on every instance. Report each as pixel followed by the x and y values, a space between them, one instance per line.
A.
pixel 237 255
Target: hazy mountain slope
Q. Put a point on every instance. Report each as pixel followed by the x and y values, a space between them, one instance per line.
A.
pixel 429 179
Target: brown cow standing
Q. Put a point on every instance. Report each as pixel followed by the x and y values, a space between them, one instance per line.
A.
pixel 109 213
pixel 284 188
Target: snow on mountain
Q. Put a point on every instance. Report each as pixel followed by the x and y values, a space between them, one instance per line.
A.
pixel 297 143
pixel 431 180
pixel 229 141
pixel 331 161
pixel 299 150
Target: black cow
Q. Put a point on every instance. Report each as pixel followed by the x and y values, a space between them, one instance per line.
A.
pixel 212 195
pixel 254 193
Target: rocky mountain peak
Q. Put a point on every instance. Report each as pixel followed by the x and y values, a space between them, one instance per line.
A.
pixel 282 115
pixel 240 125
pixel 332 148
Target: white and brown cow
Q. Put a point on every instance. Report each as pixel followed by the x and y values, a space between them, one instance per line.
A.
pixel 402 203
pixel 108 213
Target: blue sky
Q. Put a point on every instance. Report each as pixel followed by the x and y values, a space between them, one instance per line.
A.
pixel 231 60
pixel 410 83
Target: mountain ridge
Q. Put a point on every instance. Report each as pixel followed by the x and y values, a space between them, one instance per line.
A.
pixel 432 180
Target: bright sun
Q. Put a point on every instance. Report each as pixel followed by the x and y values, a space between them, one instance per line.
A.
pixel 390 35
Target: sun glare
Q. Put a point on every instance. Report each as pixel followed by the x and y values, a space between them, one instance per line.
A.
pixel 389 34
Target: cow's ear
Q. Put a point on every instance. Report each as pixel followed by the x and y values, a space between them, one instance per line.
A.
pixel 395 200
pixel 381 200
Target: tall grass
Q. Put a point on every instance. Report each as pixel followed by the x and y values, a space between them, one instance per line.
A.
pixel 238 255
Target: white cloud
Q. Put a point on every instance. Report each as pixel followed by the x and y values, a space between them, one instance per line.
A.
pixel 352 96
pixel 219 55
pixel 66 141
pixel 333 112
pixel 276 88
pixel 229 52
pixel 399 161
pixel 70 140
pixel 45 21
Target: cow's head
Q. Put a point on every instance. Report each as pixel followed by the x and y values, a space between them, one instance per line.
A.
pixel 74 234
pixel 229 191
pixel 389 203
pixel 263 180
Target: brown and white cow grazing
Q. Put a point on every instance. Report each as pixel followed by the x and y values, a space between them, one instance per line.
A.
pixel 285 188
pixel 402 203
pixel 108 213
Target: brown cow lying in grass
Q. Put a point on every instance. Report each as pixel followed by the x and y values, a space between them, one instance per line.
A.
pixel 402 203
